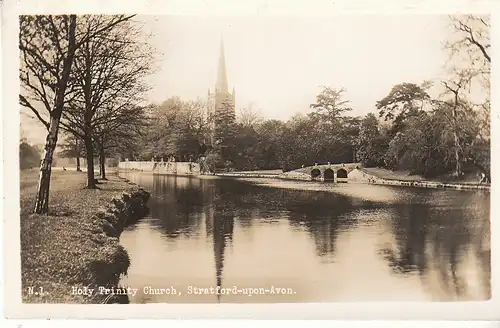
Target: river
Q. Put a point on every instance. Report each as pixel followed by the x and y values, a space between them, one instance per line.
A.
pixel 212 240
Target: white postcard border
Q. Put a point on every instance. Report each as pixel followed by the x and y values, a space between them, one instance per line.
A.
pixel 488 310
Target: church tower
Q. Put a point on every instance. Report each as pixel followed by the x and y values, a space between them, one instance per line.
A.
pixel 221 103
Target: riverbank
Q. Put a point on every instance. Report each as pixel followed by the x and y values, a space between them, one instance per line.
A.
pixel 372 176
pixel 400 178
pixel 76 245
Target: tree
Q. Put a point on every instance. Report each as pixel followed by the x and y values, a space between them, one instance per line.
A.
pixel 47 47
pixel 178 129
pixel 271 146
pixel 349 136
pixel 72 148
pixel 404 100
pixel 463 126
pixel 211 161
pixel 469 46
pixel 249 116
pixel 469 50
pixel 117 133
pixel 334 134
pixel 108 82
pixel 420 147
pixel 245 143
pixel 225 132
pixel 470 59
pixel 329 104
pixel 371 143
pixel 453 120
pixel 471 34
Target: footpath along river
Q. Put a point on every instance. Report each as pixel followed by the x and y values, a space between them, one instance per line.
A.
pixel 222 240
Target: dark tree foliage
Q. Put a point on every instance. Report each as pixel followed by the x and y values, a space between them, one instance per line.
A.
pixel 403 101
pixel 330 104
pixel 176 129
pixel 372 144
pixel 29 156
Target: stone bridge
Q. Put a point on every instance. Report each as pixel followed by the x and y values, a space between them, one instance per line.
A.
pixel 329 172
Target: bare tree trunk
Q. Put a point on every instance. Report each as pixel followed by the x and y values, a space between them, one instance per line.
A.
pixel 102 162
pixel 42 193
pixel 458 161
pixel 77 147
pixel 89 148
pixel 78 167
pixel 458 164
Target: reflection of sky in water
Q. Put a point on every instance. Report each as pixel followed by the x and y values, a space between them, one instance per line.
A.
pixel 385 243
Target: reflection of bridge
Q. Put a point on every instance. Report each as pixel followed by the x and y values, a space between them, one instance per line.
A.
pixel 329 172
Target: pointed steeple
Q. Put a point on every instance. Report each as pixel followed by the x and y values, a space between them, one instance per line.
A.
pixel 221 84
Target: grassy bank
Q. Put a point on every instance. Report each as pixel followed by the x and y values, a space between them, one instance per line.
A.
pixel 405 176
pixel 69 247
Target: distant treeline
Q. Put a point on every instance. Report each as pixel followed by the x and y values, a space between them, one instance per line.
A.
pixel 411 132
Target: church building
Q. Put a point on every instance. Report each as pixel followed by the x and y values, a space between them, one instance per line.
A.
pixel 221 103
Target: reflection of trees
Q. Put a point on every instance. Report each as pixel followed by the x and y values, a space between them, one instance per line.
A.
pixel 434 239
pixel 482 244
pixel 410 224
pixel 181 204
pixel 176 205
pixel 322 215
pixel 319 212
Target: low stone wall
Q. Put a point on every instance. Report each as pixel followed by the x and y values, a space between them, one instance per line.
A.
pixel 136 166
pixel 179 168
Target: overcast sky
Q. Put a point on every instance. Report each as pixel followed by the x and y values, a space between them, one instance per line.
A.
pixel 280 63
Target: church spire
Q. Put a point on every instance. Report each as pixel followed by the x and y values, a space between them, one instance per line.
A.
pixel 221 84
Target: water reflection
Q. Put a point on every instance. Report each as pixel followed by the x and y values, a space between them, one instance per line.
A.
pixel 223 225
pixel 437 241
pixel 418 245
pixel 176 204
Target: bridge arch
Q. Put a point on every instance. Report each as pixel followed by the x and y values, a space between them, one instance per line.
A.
pixel 329 175
pixel 315 174
pixel 341 175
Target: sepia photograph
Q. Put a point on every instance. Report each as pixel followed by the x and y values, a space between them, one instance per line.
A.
pixel 199 159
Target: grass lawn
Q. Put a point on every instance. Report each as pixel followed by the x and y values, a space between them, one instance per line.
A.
pixel 392 175
pixel 68 247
